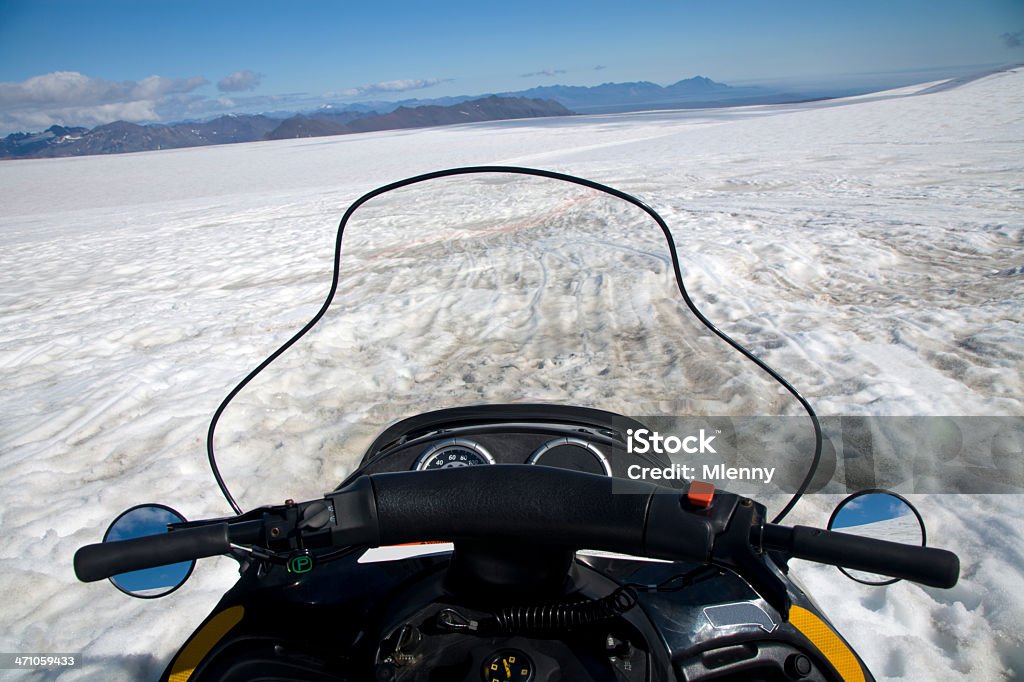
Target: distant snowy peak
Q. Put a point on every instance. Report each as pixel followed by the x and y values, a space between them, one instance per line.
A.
pixel 30 144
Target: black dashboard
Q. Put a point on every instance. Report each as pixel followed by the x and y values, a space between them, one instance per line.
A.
pixel 579 439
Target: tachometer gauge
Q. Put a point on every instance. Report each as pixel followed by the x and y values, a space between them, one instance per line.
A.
pixel 572 453
pixel 455 452
pixel 508 664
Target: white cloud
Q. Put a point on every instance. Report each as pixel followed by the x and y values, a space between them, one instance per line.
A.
pixel 71 98
pixel 72 89
pixel 546 72
pixel 385 87
pixel 240 81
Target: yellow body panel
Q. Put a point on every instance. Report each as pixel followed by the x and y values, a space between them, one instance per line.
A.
pixel 828 643
pixel 211 633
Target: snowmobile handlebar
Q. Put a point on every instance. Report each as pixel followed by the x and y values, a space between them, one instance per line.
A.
pixel 106 559
pixel 508 504
pixel 926 565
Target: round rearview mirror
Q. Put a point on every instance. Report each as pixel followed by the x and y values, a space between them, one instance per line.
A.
pixel 882 515
pixel 142 521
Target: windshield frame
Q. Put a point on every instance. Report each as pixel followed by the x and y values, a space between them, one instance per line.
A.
pixel 552 175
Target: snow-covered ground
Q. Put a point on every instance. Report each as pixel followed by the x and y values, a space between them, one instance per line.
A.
pixel 871 249
pixel 904 528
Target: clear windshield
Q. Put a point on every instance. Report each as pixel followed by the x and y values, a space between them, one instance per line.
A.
pixel 474 289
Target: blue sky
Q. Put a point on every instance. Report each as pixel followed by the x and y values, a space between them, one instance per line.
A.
pixel 156 60
pixel 140 522
pixel 870 508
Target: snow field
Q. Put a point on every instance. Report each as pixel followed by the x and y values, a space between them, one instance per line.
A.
pixel 871 250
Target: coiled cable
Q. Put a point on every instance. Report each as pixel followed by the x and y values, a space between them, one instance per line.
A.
pixel 545 617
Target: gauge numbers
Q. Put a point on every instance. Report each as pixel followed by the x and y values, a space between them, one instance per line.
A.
pixel 455 452
pixel 506 665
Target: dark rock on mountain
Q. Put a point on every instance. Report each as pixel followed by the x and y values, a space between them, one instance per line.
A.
pixel 306 126
pixel 31 144
pixel 491 108
pixel 228 129
pixel 487 109
pixel 120 137
pixel 320 124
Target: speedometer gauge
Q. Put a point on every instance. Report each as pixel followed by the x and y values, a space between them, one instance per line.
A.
pixel 455 452
pixel 572 453
pixel 508 665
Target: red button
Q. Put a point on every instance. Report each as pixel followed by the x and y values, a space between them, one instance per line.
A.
pixel 700 494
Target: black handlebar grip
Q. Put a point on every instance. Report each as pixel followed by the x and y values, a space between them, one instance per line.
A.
pixel 524 505
pixel 925 565
pixel 106 559
pixel 513 503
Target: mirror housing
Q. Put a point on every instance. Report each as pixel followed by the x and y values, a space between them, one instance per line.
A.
pixel 141 521
pixel 882 515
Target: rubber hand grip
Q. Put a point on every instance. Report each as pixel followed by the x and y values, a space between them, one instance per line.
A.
pixel 511 504
pixel 926 565
pixel 519 506
pixel 106 559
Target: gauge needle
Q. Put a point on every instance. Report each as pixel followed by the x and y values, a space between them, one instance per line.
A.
pixel 508 670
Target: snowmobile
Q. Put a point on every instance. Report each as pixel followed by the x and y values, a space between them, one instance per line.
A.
pixel 491 377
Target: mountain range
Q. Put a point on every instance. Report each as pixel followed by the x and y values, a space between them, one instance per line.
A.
pixel 696 92
pixel 555 100
pixel 120 136
pixel 491 108
pixel 689 93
